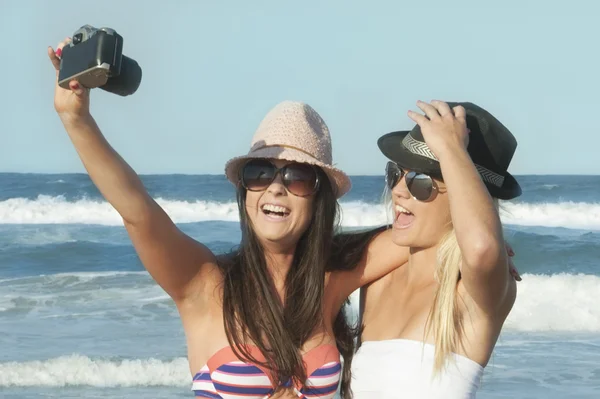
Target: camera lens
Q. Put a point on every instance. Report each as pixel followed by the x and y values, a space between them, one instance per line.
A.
pixel 77 38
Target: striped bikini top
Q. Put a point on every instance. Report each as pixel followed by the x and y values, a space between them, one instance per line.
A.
pixel 226 377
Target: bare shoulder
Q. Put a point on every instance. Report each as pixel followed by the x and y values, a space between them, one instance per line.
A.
pixel 364 258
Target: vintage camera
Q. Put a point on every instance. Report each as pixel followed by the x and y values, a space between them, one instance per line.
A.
pixel 95 59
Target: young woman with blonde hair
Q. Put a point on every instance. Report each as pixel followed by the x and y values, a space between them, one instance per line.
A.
pixel 431 325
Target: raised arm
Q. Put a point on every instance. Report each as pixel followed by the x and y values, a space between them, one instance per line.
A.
pixel 179 264
pixel 485 266
pixel 361 258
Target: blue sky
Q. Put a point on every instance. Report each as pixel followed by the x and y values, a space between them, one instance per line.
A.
pixel 213 69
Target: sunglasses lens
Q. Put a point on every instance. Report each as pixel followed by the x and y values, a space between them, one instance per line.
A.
pixel 420 185
pixel 300 179
pixel 258 175
pixel 392 174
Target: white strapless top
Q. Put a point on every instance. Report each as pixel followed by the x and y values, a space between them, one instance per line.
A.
pixel 401 368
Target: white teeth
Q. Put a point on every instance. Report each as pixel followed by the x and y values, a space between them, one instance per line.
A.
pixel 275 208
pixel 401 209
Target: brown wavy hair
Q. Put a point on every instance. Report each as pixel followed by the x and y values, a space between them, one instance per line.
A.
pixel 252 310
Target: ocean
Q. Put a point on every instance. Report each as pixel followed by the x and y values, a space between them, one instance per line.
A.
pixel 80 317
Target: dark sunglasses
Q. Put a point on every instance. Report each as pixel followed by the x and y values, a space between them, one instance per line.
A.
pixel 419 185
pixel 299 179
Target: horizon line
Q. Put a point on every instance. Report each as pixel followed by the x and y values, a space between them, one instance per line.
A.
pixel 223 174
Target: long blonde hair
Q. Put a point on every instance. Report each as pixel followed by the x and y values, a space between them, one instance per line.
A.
pixel 444 320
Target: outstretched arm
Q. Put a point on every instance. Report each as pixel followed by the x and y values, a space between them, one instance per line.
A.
pixel 361 258
pixel 178 263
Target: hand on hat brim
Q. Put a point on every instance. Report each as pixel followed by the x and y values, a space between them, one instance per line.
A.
pixel 442 129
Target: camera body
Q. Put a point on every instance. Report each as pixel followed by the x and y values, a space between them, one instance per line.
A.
pixel 95 59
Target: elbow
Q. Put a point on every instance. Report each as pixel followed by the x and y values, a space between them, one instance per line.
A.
pixel 484 254
pixel 133 220
pixel 140 213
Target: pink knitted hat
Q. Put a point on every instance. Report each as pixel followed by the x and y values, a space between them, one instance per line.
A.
pixel 293 131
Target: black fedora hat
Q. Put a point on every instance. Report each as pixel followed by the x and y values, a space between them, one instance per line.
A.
pixel 491 147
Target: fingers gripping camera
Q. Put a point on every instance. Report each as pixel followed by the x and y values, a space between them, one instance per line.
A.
pixel 95 59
